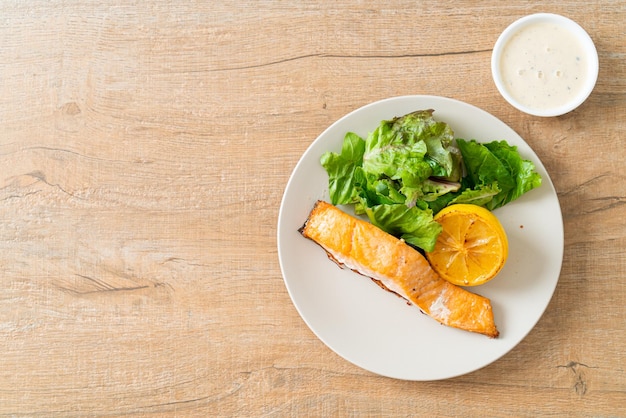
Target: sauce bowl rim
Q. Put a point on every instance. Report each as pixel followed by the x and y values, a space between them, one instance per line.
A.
pixel 588 47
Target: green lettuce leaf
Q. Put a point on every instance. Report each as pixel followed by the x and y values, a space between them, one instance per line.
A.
pixel 497 164
pixel 341 169
pixel 411 167
pixel 523 171
pixel 412 224
pixel 481 195
pixel 411 148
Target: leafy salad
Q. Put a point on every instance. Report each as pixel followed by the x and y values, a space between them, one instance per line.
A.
pixel 411 167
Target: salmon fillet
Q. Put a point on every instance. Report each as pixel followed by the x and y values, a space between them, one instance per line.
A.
pixel 396 267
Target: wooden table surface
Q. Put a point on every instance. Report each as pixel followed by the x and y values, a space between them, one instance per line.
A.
pixel 144 151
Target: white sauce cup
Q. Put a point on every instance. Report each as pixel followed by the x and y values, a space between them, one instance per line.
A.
pixel 539 85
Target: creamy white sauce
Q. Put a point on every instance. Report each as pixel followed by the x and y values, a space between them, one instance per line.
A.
pixel 543 66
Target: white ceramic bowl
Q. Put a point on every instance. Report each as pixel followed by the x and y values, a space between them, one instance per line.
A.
pixel 574 97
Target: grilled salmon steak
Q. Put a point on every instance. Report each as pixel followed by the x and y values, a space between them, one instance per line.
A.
pixel 396 267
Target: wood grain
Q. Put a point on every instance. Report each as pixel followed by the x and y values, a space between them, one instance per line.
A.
pixel 144 149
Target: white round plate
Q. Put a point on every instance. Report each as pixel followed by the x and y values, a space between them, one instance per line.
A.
pixel 377 330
